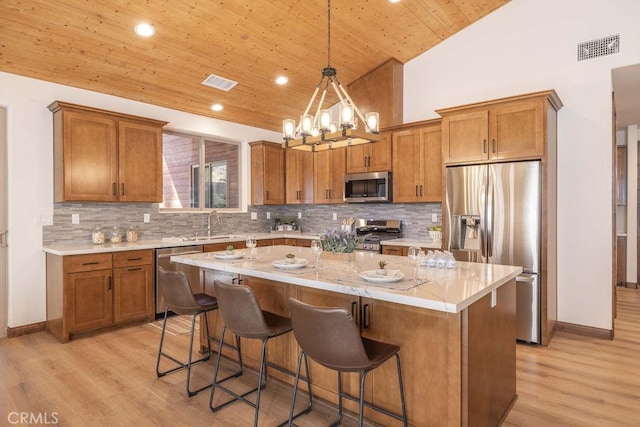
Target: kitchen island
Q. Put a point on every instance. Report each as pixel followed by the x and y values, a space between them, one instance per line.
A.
pixel 456 330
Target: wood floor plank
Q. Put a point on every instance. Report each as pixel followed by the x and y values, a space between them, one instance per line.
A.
pixel 109 379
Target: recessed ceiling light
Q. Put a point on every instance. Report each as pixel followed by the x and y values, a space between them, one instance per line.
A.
pixel 394 1
pixel 144 30
pixel 217 107
pixel 282 80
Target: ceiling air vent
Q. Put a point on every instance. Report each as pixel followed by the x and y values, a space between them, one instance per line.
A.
pixel 218 82
pixel 599 47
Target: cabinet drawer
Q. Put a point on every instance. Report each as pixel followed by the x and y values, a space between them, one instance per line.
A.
pixel 131 258
pixel 394 250
pixel 79 263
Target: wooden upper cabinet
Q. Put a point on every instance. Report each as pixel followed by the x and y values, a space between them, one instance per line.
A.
pixel 374 157
pixel 267 173
pixel 417 164
pixel 140 162
pixel 101 156
pixel 506 129
pixel 329 167
pixel 298 177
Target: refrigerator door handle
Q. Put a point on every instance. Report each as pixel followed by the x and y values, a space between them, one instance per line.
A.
pixel 489 215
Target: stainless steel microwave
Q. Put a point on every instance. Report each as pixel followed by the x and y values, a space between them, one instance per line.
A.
pixel 370 187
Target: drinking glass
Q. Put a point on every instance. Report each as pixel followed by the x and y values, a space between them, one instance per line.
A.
pixel 251 243
pixel 316 249
pixel 413 254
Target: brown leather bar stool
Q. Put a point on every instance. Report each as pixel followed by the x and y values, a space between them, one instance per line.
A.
pixel 242 315
pixel 330 336
pixel 177 293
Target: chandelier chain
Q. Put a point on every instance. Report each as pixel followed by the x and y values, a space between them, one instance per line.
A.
pixel 328 33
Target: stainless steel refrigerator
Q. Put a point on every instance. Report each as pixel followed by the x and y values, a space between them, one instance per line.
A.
pixel 493 214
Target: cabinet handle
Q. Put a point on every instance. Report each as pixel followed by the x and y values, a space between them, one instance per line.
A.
pixel 365 161
pixel 109 283
pixel 267 194
pixel 365 316
pixel 369 161
pixel 494 145
pixel 122 192
pixel 420 190
pixel 484 146
pixel 135 269
pixel 113 188
pixel 326 194
pixel 416 191
pixel 91 263
pixel 134 259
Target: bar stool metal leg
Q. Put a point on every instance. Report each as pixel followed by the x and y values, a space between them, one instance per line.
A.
pixel 301 355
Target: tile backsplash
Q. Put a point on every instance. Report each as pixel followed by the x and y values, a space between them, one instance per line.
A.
pixel 416 219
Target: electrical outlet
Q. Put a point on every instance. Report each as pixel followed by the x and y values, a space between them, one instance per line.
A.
pixel 335 216
pixel 75 218
pixel 147 218
pixel 254 215
pixel 434 217
pixel 299 215
pixel 268 215
pixel 46 220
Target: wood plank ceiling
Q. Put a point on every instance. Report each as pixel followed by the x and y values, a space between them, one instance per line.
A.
pixel 90 44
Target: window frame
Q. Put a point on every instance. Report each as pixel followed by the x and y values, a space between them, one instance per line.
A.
pixel 242 167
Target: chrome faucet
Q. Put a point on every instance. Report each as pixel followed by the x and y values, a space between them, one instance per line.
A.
pixel 211 213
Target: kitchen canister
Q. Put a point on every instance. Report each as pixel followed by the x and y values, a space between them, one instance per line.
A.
pixel 97 236
pixel 116 235
pixel 132 234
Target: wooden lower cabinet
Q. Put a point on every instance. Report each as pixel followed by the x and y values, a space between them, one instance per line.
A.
pixel 457 368
pixel 95 291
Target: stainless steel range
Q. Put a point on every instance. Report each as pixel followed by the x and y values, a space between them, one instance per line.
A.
pixel 374 231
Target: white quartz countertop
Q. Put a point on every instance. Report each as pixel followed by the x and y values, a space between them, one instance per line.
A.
pixel 444 290
pixel 168 242
pixel 421 243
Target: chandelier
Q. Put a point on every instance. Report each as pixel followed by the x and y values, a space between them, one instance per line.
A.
pixel 319 132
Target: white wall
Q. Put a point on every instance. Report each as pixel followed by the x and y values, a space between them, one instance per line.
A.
pixel 527 46
pixel 30 173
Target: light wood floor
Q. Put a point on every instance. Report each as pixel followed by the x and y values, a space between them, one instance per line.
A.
pixel 109 379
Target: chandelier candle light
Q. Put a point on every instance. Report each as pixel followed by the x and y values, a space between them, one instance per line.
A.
pixel 319 132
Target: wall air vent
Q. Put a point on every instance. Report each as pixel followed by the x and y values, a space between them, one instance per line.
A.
pixel 218 82
pixel 599 47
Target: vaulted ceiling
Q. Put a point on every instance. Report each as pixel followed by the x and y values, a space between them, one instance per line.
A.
pixel 90 44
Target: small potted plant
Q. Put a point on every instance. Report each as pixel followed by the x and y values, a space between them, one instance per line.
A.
pixel 381 265
pixel 230 250
pixel 290 258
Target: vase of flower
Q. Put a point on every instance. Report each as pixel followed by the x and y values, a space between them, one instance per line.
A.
pixel 344 242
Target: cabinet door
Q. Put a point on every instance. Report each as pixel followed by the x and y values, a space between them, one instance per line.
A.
pixel 88 300
pixel 338 169
pixel 517 131
pixel 465 137
pixel 358 158
pixel 267 174
pixel 298 177
pixel 380 154
pixel 139 162
pixel 133 297
pixel 321 176
pixel 409 328
pixel 407 152
pixel 432 166
pixel 85 155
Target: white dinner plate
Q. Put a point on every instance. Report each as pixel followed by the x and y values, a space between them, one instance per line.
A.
pixel 284 265
pixel 224 255
pixel 373 277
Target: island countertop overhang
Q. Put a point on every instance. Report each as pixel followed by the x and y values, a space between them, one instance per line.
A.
pixel 448 291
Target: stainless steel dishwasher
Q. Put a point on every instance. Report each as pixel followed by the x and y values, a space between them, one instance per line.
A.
pixel 193 273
